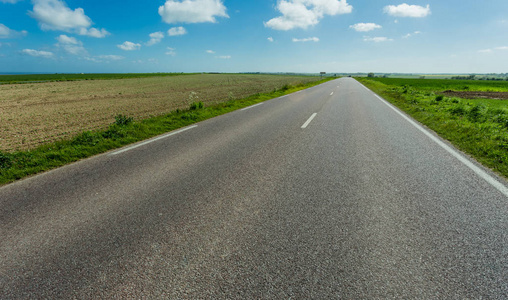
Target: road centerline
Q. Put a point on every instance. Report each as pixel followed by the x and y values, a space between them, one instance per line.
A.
pixel 309 120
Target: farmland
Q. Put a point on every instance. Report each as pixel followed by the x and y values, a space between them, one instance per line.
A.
pixel 471 114
pixel 438 85
pixel 40 113
pixel 27 78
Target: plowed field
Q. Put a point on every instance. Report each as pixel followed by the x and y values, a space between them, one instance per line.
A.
pixel 477 95
pixel 33 114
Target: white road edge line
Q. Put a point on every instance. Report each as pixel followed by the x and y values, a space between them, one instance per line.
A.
pixel 252 106
pixel 308 121
pixel 478 171
pixel 152 140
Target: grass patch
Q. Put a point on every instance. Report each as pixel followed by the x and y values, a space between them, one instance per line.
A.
pixel 125 130
pixel 478 127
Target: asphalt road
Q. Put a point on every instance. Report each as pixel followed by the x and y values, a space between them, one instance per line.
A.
pixel 326 193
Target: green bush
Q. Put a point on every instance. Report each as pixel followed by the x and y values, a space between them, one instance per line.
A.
pixel 475 113
pixel 196 105
pixel 114 131
pixel 5 161
pixel 502 119
pixel 122 120
pixel 285 87
pixel 458 110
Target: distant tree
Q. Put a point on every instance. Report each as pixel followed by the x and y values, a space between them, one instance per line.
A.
pixel 371 75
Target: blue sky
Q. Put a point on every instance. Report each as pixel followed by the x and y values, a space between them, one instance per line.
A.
pixel 413 36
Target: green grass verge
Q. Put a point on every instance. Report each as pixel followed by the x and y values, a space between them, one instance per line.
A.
pixel 478 127
pixel 123 131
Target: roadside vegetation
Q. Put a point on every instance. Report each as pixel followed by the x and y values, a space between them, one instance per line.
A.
pixel 472 115
pixel 126 130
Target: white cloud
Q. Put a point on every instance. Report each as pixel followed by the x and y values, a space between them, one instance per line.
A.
pixel 6 32
pixel 111 57
pixel 104 58
pixel 71 45
pixel 56 15
pixel 405 10
pixel 92 59
pixel 63 39
pixel 155 38
pixel 10 1
pixel 378 39
pixel 210 51
pixel 171 51
pixel 94 32
pixel 270 39
pixel 306 13
pixel 37 53
pixel 365 27
pixel 294 15
pixel 311 39
pixel 175 31
pixel 129 46
pixel 192 11
pixel 503 48
pixel 224 56
pixel 411 34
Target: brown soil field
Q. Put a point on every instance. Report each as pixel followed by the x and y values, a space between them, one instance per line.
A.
pixel 37 113
pixel 475 95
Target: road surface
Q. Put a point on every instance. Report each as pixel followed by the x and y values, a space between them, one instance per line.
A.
pixel 326 193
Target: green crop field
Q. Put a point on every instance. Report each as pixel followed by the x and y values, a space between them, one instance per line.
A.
pixel 446 84
pixel 471 114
